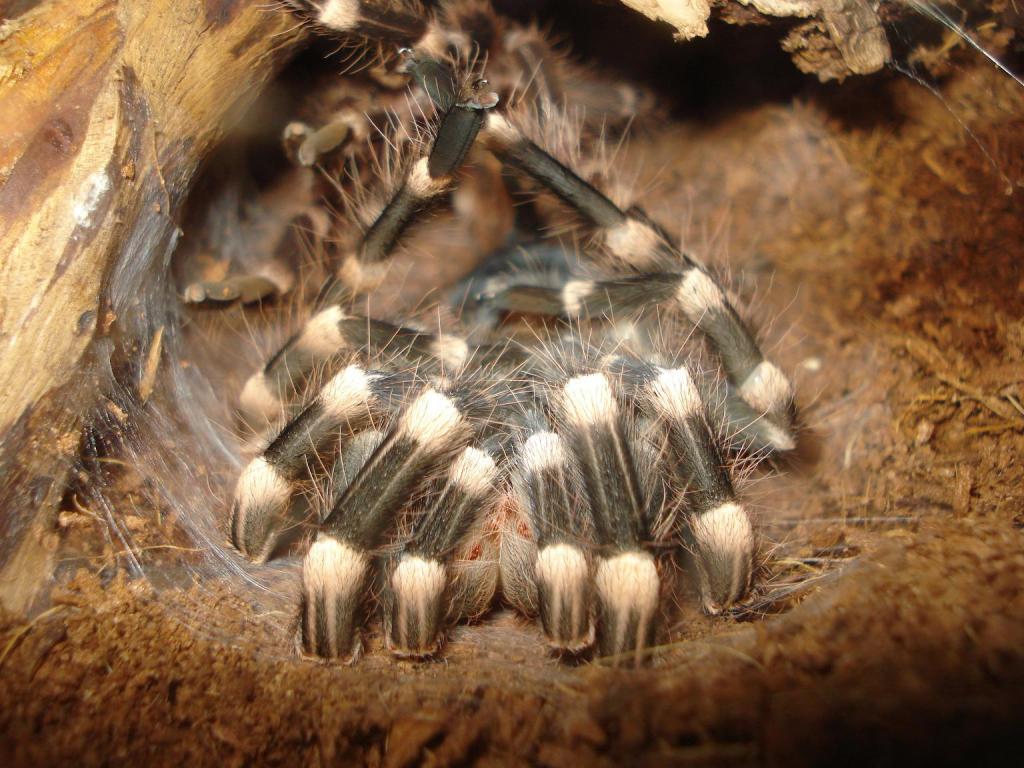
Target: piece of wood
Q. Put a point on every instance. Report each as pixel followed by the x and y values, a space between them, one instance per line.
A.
pixel 844 37
pixel 107 108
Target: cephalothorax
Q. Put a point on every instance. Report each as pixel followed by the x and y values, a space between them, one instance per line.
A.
pixel 548 444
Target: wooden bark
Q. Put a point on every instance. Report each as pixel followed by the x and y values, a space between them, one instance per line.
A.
pixel 849 31
pixel 107 108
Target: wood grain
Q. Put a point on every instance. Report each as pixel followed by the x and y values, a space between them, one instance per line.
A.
pixel 108 107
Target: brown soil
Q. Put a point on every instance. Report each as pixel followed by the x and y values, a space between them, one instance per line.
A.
pixel 892 242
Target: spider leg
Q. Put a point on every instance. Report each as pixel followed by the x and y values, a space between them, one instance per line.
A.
pixel 536 263
pixel 323 335
pixel 702 302
pixel 562 571
pixel 627 582
pixel 637 242
pixel 262 275
pixel 720 532
pixel 265 486
pixel 723 538
pixel 306 144
pixel 549 82
pixel 385 22
pixel 336 569
pixel 421 581
pixel 541 85
pixel 245 289
pixel 362 271
pixel 517 151
pixel 330 333
pixel 758 434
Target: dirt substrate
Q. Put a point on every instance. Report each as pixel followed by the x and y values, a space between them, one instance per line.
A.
pixel 886 241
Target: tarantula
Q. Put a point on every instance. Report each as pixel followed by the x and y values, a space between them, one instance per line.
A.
pixel 561 434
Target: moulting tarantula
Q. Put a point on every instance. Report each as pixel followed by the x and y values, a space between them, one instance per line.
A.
pixel 559 433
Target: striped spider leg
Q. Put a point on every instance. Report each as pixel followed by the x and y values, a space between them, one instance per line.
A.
pixel 336 571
